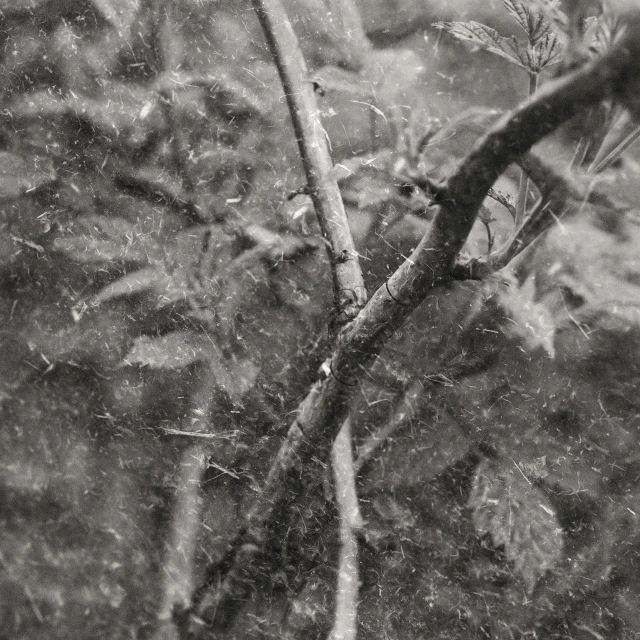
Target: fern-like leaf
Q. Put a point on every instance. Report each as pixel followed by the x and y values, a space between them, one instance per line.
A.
pixel 533 23
pixel 545 52
pixel 486 38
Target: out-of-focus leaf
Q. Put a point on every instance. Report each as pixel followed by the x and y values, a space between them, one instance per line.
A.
pixel 517 515
pixel 133 283
pixel 234 375
pixel 19 175
pixel 40 104
pixel 12 8
pixel 126 113
pixel 120 13
pixel 172 351
pixel 528 319
pixel 533 23
pixel 99 239
pixel 228 95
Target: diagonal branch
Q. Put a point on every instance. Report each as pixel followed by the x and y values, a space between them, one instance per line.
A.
pixel 349 289
pixel 322 412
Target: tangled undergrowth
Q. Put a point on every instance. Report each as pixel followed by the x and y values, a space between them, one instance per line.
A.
pixel 179 342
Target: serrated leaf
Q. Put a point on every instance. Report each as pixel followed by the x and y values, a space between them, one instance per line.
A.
pixel 547 51
pixel 518 516
pixel 551 9
pixel 533 23
pixel 485 37
pixel 529 320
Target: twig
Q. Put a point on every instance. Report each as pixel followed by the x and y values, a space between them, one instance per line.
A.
pixel 523 187
pixel 628 132
pixel 349 290
pixel 504 201
pixel 402 415
pixel 178 565
pixel 431 264
pixel 344 627
pixel 561 194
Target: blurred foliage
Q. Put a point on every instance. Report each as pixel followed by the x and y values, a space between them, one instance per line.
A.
pixel 163 279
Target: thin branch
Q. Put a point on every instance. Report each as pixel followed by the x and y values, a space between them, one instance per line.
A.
pixel 596 125
pixel 324 409
pixel 562 193
pixel 349 290
pixel 504 201
pixel 345 623
pixel 178 564
pixel 625 133
pixel 402 415
pixel 523 188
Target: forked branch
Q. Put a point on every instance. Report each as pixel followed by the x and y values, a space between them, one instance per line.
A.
pixel 323 411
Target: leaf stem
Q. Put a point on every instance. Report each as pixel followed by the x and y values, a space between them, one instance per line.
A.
pixel 523 188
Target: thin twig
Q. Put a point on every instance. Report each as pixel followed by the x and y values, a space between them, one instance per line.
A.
pixel 324 409
pixel 178 565
pixel 504 201
pixel 349 290
pixel 562 193
pixel 402 415
pixel 523 188
pixel 345 624
pixel 628 132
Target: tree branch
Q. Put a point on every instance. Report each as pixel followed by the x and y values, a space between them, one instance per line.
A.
pixel 324 409
pixel 345 623
pixel 349 290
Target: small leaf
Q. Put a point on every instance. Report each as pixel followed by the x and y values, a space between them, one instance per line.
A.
pixel 529 320
pixel 545 52
pixel 487 38
pixel 518 516
pixel 172 351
